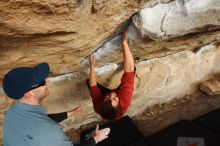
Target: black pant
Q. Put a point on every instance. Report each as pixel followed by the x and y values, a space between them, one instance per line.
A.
pixel 59 117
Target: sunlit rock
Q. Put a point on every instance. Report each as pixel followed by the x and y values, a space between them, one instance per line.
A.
pixel 178 18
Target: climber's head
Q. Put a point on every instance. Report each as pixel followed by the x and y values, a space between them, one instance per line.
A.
pixel 109 107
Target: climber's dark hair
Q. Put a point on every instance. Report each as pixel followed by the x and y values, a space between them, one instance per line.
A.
pixel 107 111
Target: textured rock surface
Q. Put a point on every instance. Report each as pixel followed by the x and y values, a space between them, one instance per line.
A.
pixel 157 80
pixel 55 31
pixel 211 86
pixel 178 18
pixel 63 33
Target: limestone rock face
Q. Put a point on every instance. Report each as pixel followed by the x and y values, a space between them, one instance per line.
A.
pixel 62 32
pixel 178 18
pixel 157 80
pixel 166 29
pixel 175 45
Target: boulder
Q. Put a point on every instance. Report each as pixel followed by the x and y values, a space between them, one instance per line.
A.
pixel 211 86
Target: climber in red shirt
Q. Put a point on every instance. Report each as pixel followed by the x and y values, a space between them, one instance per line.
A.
pixel 112 104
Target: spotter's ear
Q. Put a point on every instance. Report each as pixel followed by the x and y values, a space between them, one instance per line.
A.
pixel 28 95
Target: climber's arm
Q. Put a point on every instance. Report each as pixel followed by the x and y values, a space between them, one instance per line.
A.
pixel 92 77
pixel 127 56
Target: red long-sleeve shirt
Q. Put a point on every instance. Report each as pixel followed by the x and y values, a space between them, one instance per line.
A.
pixel 124 94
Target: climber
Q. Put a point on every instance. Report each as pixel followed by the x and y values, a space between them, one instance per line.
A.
pixel 112 104
pixel 26 122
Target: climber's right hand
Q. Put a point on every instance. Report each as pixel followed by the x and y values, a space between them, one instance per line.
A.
pixel 100 134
